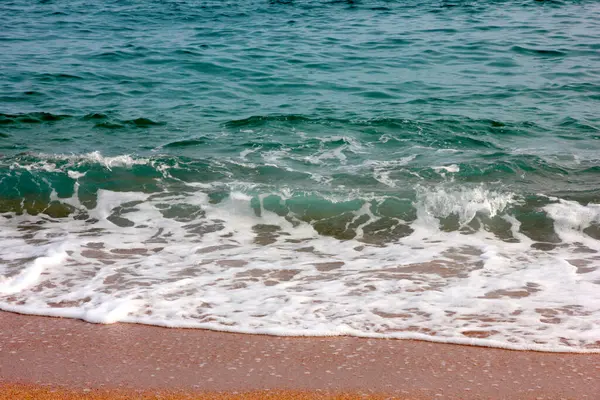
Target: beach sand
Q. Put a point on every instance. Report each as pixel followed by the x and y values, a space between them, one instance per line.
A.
pixel 54 358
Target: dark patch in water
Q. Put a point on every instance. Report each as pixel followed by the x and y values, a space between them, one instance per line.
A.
pixel 31 118
pixel 186 143
pixel 538 52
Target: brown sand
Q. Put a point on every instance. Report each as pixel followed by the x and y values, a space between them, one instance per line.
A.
pixel 13 392
pixel 40 355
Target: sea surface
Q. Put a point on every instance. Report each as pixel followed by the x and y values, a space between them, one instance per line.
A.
pixel 395 169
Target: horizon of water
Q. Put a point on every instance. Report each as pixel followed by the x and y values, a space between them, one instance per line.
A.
pixel 425 170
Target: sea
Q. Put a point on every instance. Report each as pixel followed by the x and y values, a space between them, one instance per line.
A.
pixel 385 169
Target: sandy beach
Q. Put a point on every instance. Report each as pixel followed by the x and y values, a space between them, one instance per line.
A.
pixel 299 199
pixel 61 358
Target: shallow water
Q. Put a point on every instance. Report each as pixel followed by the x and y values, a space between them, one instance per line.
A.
pixel 369 168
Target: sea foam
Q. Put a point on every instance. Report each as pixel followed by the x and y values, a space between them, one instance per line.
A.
pixel 179 259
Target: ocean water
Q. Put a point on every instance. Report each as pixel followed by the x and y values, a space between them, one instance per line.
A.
pixel 394 169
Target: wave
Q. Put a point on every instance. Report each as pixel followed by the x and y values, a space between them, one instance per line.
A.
pixel 257 120
pixel 439 264
pixel 100 119
pixel 38 183
pixel 31 118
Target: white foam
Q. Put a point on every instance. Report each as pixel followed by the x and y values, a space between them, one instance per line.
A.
pixel 75 174
pixel 324 154
pixel 571 218
pixel 383 169
pixel 448 168
pixel 232 270
pixel 244 153
pixel 111 162
pixel 30 275
pixel 48 162
pixel 463 202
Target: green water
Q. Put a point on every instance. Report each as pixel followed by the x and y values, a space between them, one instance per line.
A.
pixel 362 120
pixel 506 91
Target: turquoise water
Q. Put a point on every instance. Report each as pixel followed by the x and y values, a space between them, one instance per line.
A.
pixel 246 165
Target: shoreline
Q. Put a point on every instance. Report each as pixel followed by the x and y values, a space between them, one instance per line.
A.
pixel 70 355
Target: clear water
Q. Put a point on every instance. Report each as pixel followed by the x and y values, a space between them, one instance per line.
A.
pixel 400 169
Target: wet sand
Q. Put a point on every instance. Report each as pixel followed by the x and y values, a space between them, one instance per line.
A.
pixel 39 356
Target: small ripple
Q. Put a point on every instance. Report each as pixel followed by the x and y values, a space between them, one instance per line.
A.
pixel 31 118
pixel 538 52
pixel 143 122
pixel 373 94
pixel 187 143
